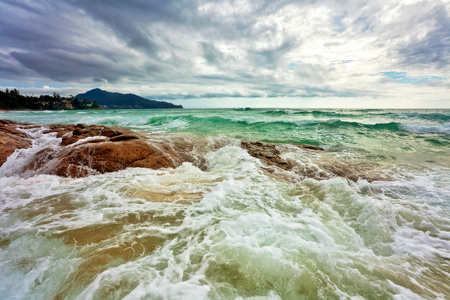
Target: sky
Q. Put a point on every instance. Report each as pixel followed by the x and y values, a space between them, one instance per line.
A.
pixel 199 53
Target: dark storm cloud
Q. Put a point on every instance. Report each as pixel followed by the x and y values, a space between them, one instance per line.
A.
pixel 211 54
pixel 8 68
pixel 269 57
pixel 61 43
pixel 129 19
pixel 418 36
pixel 434 47
pixel 64 66
pixel 36 25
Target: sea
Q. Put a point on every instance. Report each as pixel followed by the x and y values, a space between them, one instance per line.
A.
pixel 224 227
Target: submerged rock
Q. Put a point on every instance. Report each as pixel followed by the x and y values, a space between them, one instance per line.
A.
pixel 323 168
pixel 268 153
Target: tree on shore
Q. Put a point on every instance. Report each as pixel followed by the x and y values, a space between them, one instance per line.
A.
pixel 11 99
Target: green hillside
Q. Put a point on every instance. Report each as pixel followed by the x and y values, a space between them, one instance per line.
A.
pixel 123 101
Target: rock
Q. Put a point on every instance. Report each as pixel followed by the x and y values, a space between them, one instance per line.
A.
pixel 123 137
pixel 91 158
pixel 109 132
pixel 77 131
pixel 86 150
pixel 69 139
pixel 324 168
pixel 118 150
pixel 353 171
pixel 11 139
pixel 309 147
pixel 268 153
pixel 81 131
pixel 60 129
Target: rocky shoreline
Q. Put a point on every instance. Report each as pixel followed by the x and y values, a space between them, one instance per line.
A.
pixel 86 150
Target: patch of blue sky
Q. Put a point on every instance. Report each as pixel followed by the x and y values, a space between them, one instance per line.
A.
pixel 337 22
pixel 293 65
pixel 402 77
pixel 363 23
pixel 339 62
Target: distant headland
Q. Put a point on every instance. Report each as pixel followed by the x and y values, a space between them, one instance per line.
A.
pixel 123 101
pixel 93 99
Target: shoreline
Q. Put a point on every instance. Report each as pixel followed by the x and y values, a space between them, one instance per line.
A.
pixel 82 150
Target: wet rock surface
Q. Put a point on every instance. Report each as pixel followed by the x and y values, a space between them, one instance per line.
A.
pixel 322 169
pixel 86 149
pixel 268 153
pixel 11 138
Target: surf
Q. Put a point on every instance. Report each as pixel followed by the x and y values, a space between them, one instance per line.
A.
pixel 368 216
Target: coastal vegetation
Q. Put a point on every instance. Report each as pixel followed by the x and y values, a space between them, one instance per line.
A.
pixel 93 99
pixel 12 99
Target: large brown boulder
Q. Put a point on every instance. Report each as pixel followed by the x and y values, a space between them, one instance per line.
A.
pixel 87 149
pixel 108 156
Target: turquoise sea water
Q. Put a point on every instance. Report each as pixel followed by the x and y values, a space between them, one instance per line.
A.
pixel 231 230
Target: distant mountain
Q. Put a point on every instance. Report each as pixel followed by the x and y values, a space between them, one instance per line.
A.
pixel 123 101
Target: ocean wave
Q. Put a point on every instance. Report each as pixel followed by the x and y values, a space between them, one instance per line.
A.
pixel 276 126
pixel 230 123
pixel 313 113
pixel 439 116
pixel 166 123
pixel 435 116
pixel 337 123
pixel 426 129
pixel 244 109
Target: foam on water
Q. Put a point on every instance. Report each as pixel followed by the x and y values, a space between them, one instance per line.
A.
pixel 426 129
pixel 230 230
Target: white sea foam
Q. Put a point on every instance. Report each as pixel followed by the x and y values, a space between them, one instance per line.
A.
pixel 266 231
pixel 21 157
pixel 442 129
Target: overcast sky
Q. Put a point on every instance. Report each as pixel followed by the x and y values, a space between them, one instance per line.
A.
pixel 386 53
